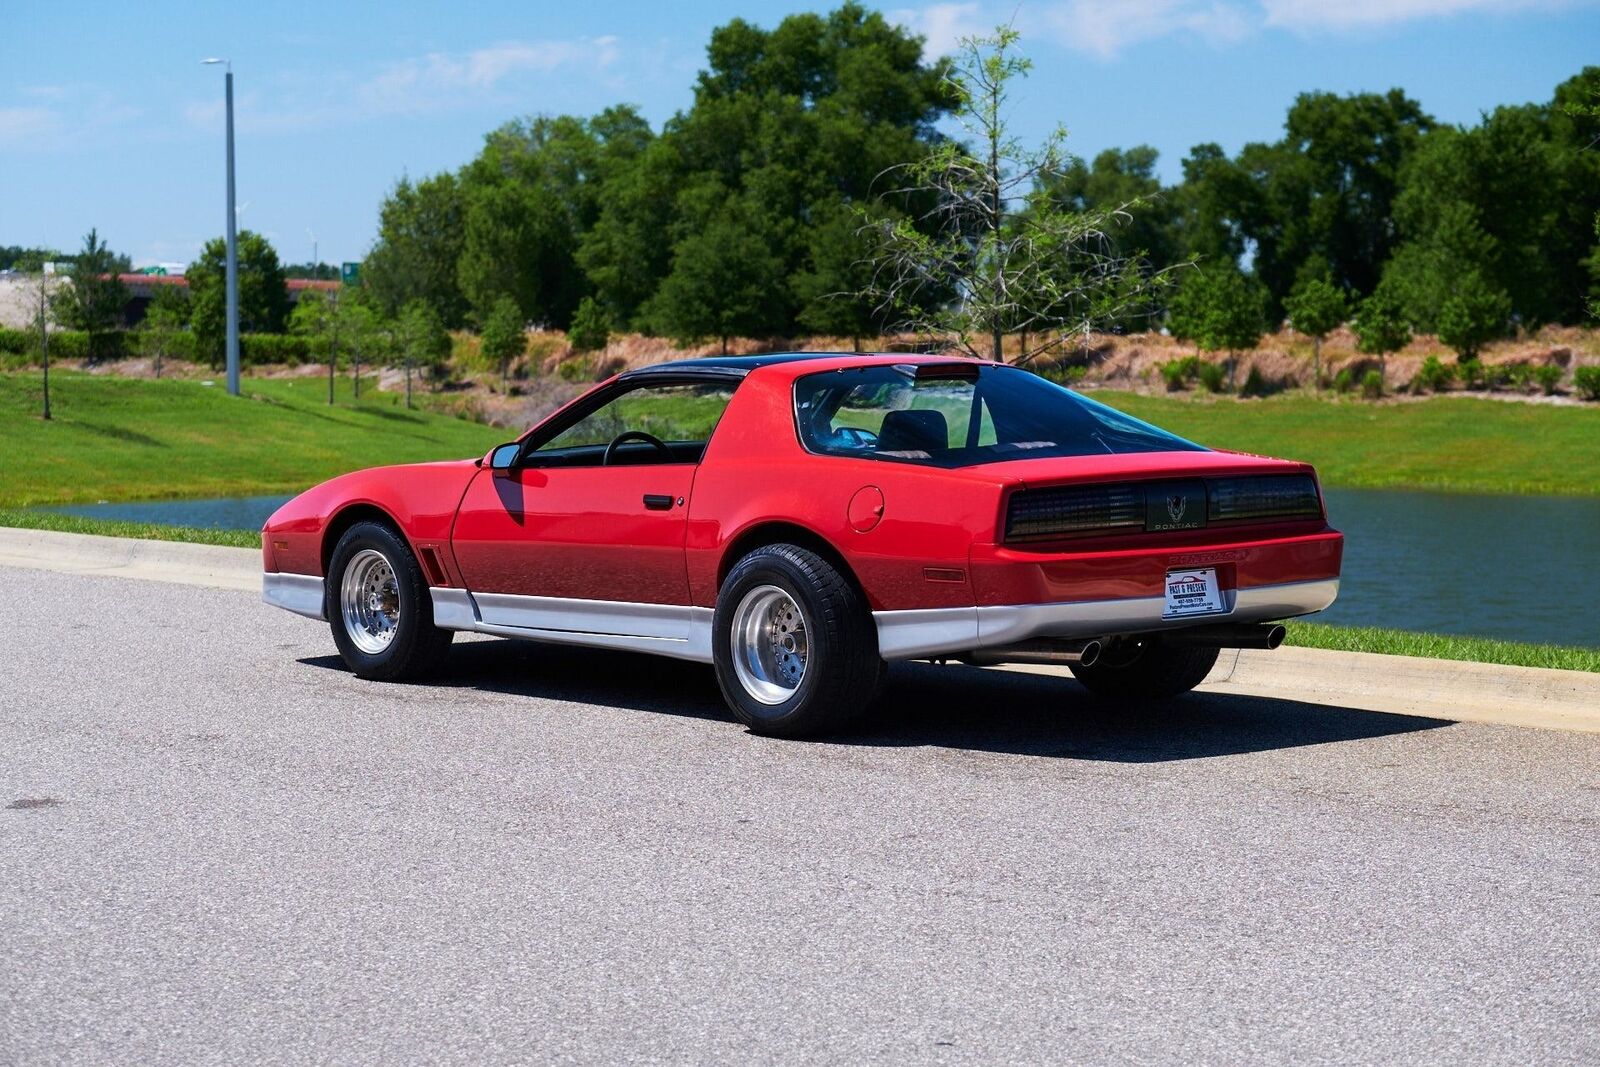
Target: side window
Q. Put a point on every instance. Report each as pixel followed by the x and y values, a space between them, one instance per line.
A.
pixel 647 424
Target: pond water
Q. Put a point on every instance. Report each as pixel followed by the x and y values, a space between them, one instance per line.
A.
pixel 1514 567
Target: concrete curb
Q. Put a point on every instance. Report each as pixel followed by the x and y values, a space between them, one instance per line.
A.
pixel 1395 685
pixel 125 557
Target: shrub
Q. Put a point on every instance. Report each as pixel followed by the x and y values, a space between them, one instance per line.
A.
pixel 591 329
pixel 1518 375
pixel 259 348
pixel 1497 376
pixel 1254 383
pixel 1586 380
pixel 1435 376
pixel 1178 372
pixel 1547 376
pixel 1344 381
pixel 1471 373
pixel 1210 375
pixel 1062 374
pixel 1372 384
pixel 18 342
pixel 577 369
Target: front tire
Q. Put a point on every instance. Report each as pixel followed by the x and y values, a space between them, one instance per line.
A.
pixel 379 608
pixel 795 649
pixel 1146 669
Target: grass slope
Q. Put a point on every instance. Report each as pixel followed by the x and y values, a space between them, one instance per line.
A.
pixel 123 439
pixel 1456 444
pixel 1441 646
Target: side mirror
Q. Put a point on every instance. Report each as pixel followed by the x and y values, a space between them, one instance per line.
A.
pixel 504 457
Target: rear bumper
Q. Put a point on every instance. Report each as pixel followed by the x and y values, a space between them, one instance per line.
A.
pixel 923 633
pixel 299 593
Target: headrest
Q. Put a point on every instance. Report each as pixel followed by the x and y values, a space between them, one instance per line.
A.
pixel 913 431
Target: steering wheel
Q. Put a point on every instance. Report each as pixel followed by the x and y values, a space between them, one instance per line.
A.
pixel 634 435
pixel 857 436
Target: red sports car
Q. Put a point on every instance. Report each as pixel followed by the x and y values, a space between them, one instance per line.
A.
pixel 799 520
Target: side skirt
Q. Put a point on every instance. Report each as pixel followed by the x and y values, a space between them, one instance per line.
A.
pixel 660 629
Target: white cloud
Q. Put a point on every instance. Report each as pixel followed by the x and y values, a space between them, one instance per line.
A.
pixel 1104 28
pixel 23 127
pixel 942 25
pixel 425 83
pixel 1348 14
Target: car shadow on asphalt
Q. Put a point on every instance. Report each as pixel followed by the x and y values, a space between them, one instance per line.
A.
pixel 956 707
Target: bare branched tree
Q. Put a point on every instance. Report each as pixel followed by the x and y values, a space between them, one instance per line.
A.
pixel 995 254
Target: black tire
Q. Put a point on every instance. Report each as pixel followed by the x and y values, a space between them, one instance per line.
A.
pixel 842 671
pixel 416 647
pixel 1146 669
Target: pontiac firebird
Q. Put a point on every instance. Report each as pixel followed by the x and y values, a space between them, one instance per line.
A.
pixel 798 521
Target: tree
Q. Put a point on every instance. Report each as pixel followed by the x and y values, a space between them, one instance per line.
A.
pixel 504 336
pixel 994 253
pixel 41 291
pixel 830 289
pixel 360 327
pixel 724 283
pixel 424 339
pixel 590 329
pixel 421 236
pixel 316 318
pixel 1475 313
pixel 164 321
pixel 1381 326
pixel 1119 177
pixel 1220 309
pixel 94 301
pixel 263 293
pixel 1316 306
pixel 518 245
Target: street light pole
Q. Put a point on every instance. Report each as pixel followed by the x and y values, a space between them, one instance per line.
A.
pixel 233 244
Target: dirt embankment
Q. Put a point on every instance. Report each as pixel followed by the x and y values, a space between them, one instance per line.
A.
pixel 551 373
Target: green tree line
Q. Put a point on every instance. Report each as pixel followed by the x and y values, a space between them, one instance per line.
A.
pixel 744 213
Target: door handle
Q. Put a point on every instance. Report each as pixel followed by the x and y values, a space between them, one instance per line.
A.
pixel 658 502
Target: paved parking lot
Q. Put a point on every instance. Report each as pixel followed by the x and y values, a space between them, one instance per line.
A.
pixel 216 846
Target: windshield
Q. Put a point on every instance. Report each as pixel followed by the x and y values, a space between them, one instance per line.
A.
pixel 998 413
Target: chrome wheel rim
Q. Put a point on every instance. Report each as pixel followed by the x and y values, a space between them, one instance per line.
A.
pixel 369 600
pixel 769 644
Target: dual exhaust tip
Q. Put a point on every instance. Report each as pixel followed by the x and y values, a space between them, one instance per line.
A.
pixel 1085 653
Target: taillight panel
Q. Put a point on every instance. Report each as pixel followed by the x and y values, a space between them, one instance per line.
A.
pixel 1069 511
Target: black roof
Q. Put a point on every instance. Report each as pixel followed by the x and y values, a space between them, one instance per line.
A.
pixel 730 366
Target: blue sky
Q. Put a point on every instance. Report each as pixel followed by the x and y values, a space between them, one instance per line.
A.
pixel 108 120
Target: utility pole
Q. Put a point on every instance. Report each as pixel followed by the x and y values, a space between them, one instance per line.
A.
pixel 233 244
pixel 44 330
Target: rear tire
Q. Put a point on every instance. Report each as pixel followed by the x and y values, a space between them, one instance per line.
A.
pixel 379 608
pixel 794 645
pixel 1146 670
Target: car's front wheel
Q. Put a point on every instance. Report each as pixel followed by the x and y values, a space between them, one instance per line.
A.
pixel 1145 669
pixel 795 648
pixel 379 607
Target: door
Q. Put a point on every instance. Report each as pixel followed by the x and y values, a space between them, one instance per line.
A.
pixel 586 533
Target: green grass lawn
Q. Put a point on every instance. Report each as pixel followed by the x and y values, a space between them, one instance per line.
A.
pixel 1456 444
pixel 124 439
pixel 1441 646
pixel 147 531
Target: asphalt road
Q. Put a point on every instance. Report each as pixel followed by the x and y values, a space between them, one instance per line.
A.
pixel 216 846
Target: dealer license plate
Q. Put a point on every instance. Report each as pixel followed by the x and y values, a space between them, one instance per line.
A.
pixel 1192 591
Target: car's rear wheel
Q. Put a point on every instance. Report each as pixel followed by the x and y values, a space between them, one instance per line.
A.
pixel 794 645
pixel 1145 669
pixel 379 608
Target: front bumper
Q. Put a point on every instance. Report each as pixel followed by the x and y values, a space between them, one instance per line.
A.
pixel 928 632
pixel 299 593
